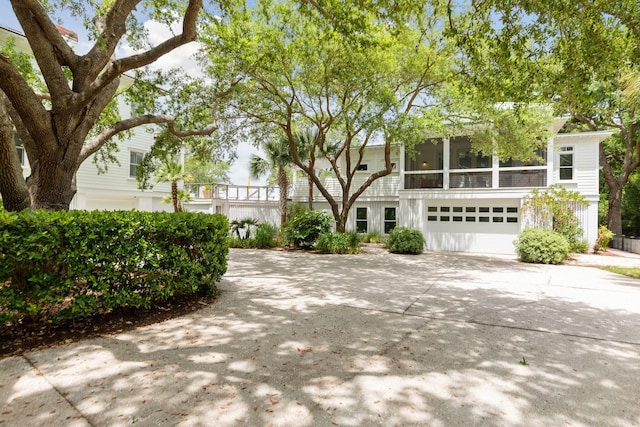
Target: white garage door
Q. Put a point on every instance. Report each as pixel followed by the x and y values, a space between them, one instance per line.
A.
pixel 483 226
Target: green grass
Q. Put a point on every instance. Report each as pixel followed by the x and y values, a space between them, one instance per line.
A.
pixel 626 271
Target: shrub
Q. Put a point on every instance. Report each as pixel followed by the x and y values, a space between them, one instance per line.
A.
pixel 266 236
pixel 57 265
pixel 604 238
pixel 241 228
pixel 372 237
pixel 556 207
pixel 542 246
pixel 405 240
pixel 338 243
pixel 578 247
pixel 304 229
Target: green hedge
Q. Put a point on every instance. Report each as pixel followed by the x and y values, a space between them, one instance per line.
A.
pixel 339 243
pixel 56 265
pixel 542 246
pixel 404 240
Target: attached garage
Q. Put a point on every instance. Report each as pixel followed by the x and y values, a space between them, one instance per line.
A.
pixel 461 224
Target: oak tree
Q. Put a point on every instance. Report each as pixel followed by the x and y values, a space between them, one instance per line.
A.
pixel 72 114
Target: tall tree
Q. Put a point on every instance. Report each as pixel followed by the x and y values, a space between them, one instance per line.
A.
pixel 277 162
pixel 60 126
pixel 575 54
pixel 343 71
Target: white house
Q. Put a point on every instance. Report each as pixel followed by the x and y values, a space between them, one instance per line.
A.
pixel 462 201
pixel 117 188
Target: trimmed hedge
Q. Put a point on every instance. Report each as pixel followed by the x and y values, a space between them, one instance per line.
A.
pixel 404 240
pixel 542 246
pixel 57 265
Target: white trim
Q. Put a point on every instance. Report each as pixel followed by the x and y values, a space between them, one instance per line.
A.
pixel 131 151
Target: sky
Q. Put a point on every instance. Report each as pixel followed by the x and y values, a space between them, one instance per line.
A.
pixel 183 56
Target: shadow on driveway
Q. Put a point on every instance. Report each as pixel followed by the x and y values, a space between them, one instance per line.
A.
pixel 321 340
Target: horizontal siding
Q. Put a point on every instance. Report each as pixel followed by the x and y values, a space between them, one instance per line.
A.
pixel 586 162
pixel 385 187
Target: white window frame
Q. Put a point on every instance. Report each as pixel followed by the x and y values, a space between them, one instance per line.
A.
pixel 385 221
pixel 365 220
pixel 131 163
pixel 567 150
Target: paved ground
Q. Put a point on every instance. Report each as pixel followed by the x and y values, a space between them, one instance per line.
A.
pixel 320 340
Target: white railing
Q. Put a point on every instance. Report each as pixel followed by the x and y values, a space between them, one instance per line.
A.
pixel 213 191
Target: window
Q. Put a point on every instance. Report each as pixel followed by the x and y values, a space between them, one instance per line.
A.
pixel 135 160
pixel 566 163
pixel 19 148
pixel 363 167
pixel 389 219
pixel 427 156
pixel 362 224
pixel 463 157
pixel 540 159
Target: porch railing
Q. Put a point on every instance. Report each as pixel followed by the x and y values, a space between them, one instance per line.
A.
pixel 213 191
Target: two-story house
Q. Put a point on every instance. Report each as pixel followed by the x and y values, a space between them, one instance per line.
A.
pixel 463 201
pixel 117 188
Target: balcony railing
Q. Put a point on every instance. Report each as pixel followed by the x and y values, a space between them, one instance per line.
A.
pixel 213 191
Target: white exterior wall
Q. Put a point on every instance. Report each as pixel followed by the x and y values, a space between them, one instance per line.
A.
pixel 263 211
pixel 463 234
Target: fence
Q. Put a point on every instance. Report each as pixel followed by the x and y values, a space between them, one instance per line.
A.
pixel 628 244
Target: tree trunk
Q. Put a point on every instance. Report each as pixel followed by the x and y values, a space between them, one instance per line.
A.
pixel 174 195
pixel 283 185
pixel 51 183
pixel 13 187
pixel 614 213
pixel 310 181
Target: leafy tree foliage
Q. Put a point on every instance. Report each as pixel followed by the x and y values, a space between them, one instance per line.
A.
pixel 582 56
pixel 65 110
pixel 357 75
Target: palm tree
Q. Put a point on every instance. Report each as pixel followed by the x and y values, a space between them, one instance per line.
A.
pixel 631 87
pixel 278 159
pixel 172 171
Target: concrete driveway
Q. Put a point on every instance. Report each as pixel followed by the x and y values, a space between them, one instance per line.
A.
pixel 300 339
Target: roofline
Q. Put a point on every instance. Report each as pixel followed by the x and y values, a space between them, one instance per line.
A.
pixel 601 135
pixel 12 30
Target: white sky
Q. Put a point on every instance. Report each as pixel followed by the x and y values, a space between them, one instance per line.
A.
pixel 183 56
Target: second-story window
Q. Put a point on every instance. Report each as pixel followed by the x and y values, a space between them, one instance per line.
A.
pixel 135 160
pixel 566 163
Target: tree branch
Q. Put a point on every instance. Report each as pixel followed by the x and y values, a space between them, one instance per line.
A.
pixel 50 50
pixel 99 140
pixel 120 66
pixel 25 102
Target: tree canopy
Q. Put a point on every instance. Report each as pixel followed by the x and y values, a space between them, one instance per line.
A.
pixel 65 109
pixel 580 56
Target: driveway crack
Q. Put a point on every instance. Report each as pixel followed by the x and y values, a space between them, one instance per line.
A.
pixel 57 390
